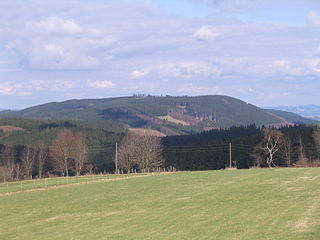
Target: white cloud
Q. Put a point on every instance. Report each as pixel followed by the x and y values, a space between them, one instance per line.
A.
pixel 205 33
pixel 49 85
pixel 61 26
pixel 178 70
pixel 314 18
pixel 55 25
pixel 313 64
pixel 200 90
pixel 62 54
pixel 101 84
pixel 59 44
pixel 139 73
pixel 11 88
pixel 6 88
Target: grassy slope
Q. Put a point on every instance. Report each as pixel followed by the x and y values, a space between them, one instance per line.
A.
pixel 244 204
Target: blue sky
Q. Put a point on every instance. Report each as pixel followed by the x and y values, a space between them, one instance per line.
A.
pixel 263 52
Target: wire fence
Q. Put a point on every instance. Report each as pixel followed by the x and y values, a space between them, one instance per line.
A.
pixel 18 186
pixel 26 185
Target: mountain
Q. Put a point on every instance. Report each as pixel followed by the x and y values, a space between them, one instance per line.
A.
pixel 308 111
pixel 292 117
pixel 168 114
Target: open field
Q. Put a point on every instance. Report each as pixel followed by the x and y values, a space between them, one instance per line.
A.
pixel 146 132
pixel 241 204
pixel 173 120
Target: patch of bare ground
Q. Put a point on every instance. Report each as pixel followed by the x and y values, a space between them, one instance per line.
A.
pixel 9 129
pixel 146 132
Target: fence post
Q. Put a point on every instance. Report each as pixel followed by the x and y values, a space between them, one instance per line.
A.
pixel 45 182
pixel 7 187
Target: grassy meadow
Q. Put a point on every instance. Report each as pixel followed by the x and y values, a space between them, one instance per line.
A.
pixel 240 204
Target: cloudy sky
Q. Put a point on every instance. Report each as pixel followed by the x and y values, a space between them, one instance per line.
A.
pixel 261 51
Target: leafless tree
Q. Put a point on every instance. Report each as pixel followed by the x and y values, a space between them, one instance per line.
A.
pixel 127 156
pixel 18 171
pixel 61 151
pixel 270 144
pixel 143 151
pixel 79 152
pixel 42 153
pixel 9 156
pixel 149 152
pixel 69 152
pixel 28 158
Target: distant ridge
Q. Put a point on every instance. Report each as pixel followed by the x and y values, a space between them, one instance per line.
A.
pixel 307 111
pixel 170 115
pixel 292 117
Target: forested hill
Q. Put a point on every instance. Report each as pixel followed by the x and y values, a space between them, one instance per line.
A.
pixel 167 114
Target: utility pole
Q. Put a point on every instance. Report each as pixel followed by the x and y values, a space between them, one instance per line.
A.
pixel 116 158
pixel 230 155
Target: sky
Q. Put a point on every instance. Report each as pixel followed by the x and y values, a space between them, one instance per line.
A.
pixel 266 52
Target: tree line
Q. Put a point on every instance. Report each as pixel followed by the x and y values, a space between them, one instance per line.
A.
pixel 251 146
pixel 70 154
pixel 67 154
pixel 32 150
pixel 73 150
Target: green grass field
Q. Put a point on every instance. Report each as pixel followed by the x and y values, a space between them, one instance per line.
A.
pixel 241 204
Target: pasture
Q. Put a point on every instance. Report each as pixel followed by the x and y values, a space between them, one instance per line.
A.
pixel 240 204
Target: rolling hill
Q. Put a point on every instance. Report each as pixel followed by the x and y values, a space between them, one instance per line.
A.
pixel 292 117
pixel 307 111
pixel 168 114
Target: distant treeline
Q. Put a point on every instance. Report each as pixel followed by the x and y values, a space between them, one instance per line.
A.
pixel 37 148
pixel 298 146
pixel 24 141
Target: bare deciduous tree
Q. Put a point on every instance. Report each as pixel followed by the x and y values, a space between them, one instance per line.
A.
pixel 18 171
pixel 28 158
pixel 149 152
pixel 62 151
pixel 127 152
pixel 69 152
pixel 270 144
pixel 9 155
pixel 79 152
pixel 143 151
pixel 42 153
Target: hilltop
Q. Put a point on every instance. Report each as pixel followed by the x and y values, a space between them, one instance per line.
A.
pixel 170 115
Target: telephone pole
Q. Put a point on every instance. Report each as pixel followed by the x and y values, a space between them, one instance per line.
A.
pixel 116 158
pixel 230 155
